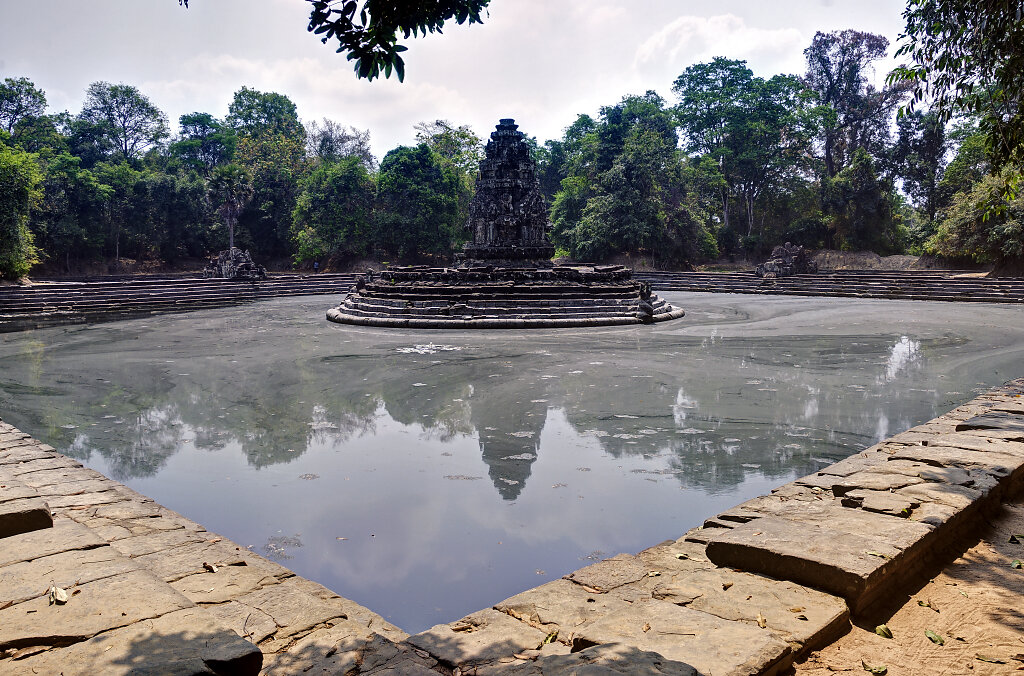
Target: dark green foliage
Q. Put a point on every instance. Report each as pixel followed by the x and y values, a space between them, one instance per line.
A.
pixel 368 31
pixel 919 158
pixel 230 188
pixel 333 214
pixel 861 209
pixel 972 229
pixel 19 193
pixel 418 204
pixel 626 188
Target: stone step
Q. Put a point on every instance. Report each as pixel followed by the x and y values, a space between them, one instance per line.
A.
pixel 22 510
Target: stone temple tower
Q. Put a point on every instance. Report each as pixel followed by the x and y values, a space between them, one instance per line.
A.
pixel 508 218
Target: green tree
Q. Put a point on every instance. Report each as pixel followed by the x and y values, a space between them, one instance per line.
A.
pixel 759 131
pixel 204 142
pixel 972 229
pixel 254 113
pixel 919 158
pixel 20 181
pixel 333 214
pixel 861 208
pixel 37 133
pixel 417 203
pixel 329 141
pixel 458 148
pixel 71 220
pixel 230 189
pixel 126 117
pixel 19 99
pixel 276 163
pixel 837 67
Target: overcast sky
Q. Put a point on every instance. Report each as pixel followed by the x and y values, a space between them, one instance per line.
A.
pixel 539 61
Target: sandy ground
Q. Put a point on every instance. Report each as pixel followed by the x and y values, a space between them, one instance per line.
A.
pixel 976 605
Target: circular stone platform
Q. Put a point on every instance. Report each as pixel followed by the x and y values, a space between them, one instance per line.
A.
pixel 491 298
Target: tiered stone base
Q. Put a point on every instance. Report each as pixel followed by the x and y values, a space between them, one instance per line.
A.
pixel 491 298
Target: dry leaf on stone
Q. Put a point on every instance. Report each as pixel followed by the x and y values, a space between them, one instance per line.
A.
pixel 762 621
pixel 58 595
pixel 1016 564
pixel 879 555
pixel 550 638
pixel 1017 539
pixel 883 631
pixel 989 658
pixel 797 609
pixel 928 604
pixel 802 617
pixel 726 585
pixel 647 627
pixel 934 638
pixel 212 567
pixel 880 670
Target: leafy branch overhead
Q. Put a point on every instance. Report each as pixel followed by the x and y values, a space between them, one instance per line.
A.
pixel 369 30
pixel 966 58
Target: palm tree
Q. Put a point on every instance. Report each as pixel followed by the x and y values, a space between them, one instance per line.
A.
pixel 231 189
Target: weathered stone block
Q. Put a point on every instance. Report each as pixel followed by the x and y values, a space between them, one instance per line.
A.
pixel 64 536
pixel 481 638
pixel 606 575
pixel 184 642
pixel 100 606
pixel 848 565
pixel 707 643
pixel 24 515
pixel 804 617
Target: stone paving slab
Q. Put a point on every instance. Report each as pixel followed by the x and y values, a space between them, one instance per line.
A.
pixel 65 535
pixel 484 637
pixel 709 644
pixel 180 643
pixel 21 582
pixel 98 606
pixel 23 515
pixel 844 564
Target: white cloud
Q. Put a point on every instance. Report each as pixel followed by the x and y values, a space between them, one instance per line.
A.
pixel 689 39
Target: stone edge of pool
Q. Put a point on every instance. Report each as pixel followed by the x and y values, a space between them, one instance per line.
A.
pixel 753 589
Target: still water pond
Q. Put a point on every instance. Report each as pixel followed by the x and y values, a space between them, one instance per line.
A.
pixel 427 474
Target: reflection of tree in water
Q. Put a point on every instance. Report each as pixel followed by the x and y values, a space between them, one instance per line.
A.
pixel 765 408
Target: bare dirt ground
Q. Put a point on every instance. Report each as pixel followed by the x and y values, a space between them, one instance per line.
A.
pixel 974 607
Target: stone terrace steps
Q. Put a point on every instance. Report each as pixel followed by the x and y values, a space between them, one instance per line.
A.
pixel 911 285
pixel 71 302
pixel 150 591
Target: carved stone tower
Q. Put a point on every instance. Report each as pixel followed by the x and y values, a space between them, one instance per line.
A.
pixel 508 219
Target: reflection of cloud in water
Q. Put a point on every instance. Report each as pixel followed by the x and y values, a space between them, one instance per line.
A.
pixel 905 352
pixel 682 404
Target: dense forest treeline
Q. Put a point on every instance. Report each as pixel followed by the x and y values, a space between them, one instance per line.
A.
pixel 732 164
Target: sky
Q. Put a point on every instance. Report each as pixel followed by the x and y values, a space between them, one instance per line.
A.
pixel 542 62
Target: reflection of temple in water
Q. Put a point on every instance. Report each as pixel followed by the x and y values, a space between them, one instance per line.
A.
pixel 509 432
